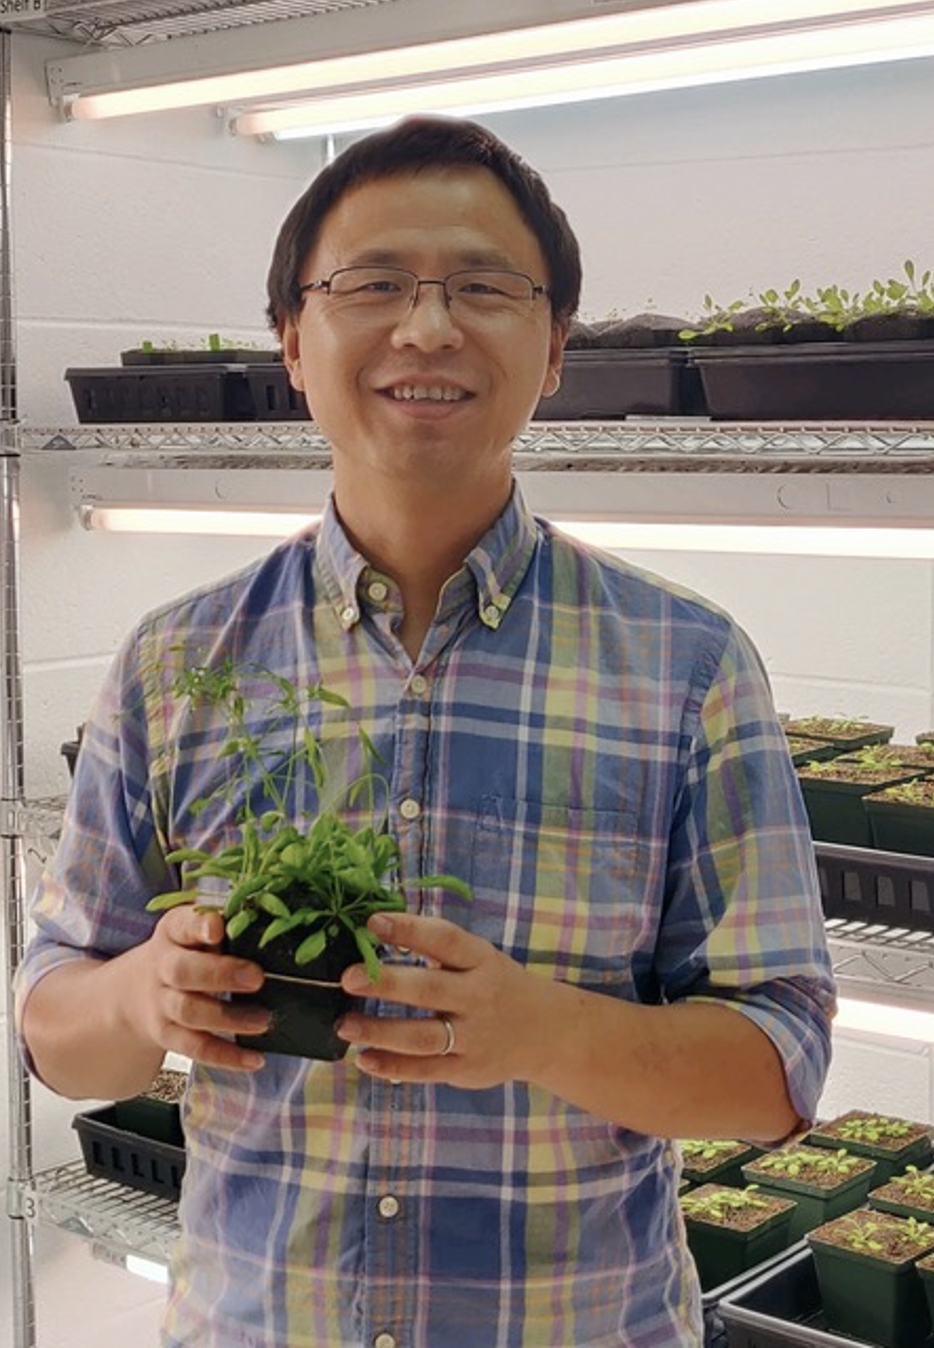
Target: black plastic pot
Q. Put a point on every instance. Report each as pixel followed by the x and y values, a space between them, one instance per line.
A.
pixel 305 1000
pixel 835 807
pixel 821 381
pixel 607 384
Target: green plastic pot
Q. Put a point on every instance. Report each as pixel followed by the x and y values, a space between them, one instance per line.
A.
pixel 814 1204
pixel 722 1254
pixel 898 826
pixel 873 1299
pixel 835 808
pixel 888 1161
pixel 902 1205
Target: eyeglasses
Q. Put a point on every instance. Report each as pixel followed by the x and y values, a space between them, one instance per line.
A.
pixel 387 294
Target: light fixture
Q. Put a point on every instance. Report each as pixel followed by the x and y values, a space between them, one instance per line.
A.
pixel 663 46
pixel 576 81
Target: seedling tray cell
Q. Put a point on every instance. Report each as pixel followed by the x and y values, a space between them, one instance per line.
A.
pixel 274 398
pixel 143 1163
pixel 781 1308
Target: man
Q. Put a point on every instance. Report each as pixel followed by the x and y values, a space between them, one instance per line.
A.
pixel 592 749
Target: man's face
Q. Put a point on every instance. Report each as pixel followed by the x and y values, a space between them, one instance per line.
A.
pixel 492 373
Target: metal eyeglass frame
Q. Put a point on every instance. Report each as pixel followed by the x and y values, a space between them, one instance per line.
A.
pixel 324 286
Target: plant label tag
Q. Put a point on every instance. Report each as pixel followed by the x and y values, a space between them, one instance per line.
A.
pixel 17 11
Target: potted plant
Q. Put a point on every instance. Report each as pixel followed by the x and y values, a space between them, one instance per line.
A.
pixel 138 1142
pixel 865 1263
pixel 824 1183
pixel 299 894
pixel 907 1195
pixel 901 817
pixel 845 733
pixel 715 1162
pixel 833 793
pixel 731 1230
pixel 804 750
pixel 893 1143
pixel 925 737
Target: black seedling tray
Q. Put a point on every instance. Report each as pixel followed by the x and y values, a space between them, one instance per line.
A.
pixel 226 355
pixel 860 884
pixel 819 381
pixel 129 1158
pixel 782 1309
pixel 610 383
pixel 140 393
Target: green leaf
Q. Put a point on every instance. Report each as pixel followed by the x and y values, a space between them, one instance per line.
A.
pixel 442 882
pixel 273 905
pixel 323 694
pixel 186 854
pixel 294 855
pixel 270 819
pixel 311 947
pixel 160 903
pixel 240 922
pixel 367 947
pixel 230 747
pixel 374 754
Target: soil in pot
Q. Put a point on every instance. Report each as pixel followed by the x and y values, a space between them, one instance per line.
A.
pixel 893 1143
pixel 824 1183
pixel 901 818
pixel 894 755
pixel 865 1263
pixel 731 1230
pixel 716 1162
pixel 833 796
pixel 810 751
pixel 843 732
pixel 305 1000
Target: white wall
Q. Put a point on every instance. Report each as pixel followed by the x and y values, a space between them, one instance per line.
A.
pixel 163 228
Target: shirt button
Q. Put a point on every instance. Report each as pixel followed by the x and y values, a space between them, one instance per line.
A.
pixel 492 616
pixel 384 1340
pixel 389 1206
pixel 410 809
pixel 377 591
pixel 418 684
pixel 348 616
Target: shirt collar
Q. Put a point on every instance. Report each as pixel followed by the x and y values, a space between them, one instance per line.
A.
pixel 491 574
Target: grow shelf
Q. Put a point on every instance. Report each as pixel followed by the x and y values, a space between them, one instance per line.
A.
pixel 741 446
pixel 118 1220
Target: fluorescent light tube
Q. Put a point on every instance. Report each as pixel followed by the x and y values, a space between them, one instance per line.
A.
pixel 580 81
pixel 127 519
pixel 662 33
pixel 781 539
pixel 874 1018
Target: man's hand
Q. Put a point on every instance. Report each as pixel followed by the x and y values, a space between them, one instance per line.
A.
pixel 498 1013
pixel 179 980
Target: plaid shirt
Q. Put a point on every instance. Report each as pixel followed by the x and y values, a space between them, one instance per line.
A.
pixel 595 751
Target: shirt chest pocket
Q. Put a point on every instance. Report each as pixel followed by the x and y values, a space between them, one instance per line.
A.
pixel 554 888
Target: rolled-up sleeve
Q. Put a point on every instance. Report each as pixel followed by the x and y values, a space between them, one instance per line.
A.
pixel 91 899
pixel 743 922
